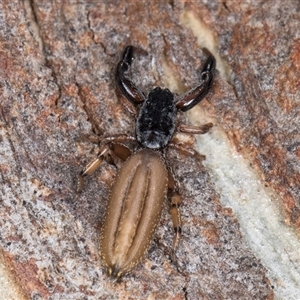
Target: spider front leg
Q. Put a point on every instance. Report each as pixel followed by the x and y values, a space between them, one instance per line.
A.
pixel 126 86
pixel 108 152
pixel 185 148
pixel 195 129
pixel 194 96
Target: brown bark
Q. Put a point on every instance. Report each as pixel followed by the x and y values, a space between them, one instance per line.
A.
pixel 57 64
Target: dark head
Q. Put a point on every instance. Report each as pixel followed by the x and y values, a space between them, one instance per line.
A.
pixel 156 120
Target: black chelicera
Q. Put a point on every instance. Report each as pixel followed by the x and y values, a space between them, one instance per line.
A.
pixel 156 118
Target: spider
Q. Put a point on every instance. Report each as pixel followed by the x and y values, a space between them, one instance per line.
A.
pixel 144 179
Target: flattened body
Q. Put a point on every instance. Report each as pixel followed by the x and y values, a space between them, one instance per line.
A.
pixel 133 211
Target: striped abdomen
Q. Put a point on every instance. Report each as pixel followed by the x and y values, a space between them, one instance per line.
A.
pixel 133 211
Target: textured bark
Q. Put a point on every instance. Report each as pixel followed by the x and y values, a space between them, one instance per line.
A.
pixel 57 64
